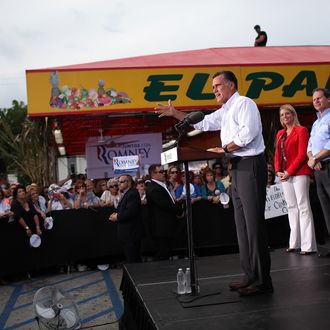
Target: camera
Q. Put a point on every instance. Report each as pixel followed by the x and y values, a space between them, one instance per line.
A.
pixel 56 195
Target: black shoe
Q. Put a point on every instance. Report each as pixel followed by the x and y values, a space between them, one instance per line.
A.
pixel 290 250
pixel 234 286
pixel 255 290
pixel 324 254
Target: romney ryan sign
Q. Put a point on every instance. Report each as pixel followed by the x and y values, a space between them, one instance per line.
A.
pixel 121 90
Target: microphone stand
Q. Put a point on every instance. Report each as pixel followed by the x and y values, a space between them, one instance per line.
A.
pixel 181 129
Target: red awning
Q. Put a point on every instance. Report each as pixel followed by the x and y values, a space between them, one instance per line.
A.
pixel 212 57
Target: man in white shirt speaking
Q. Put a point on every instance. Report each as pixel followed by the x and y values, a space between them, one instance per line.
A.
pixel 241 136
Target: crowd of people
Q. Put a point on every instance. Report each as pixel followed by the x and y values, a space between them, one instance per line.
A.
pixel 23 203
pixel 244 178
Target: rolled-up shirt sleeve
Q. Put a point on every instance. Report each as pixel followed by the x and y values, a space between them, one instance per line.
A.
pixel 249 123
pixel 309 146
pixel 211 122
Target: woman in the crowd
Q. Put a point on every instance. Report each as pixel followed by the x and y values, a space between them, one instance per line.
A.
pixel 44 194
pixel 198 179
pixel 80 199
pixel 24 212
pixel 101 187
pixel 57 200
pixel 270 178
pixel 112 196
pixel 92 199
pixel 195 193
pixel 172 179
pixel 218 171
pixel 212 189
pixel 33 196
pixel 5 211
pixel 291 167
pixel 141 188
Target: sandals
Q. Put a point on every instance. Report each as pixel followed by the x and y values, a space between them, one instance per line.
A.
pixel 302 253
pixel 306 253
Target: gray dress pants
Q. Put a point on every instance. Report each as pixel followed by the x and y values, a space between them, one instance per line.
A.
pixel 322 179
pixel 249 178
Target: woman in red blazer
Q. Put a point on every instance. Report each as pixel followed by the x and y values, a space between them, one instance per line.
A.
pixel 294 174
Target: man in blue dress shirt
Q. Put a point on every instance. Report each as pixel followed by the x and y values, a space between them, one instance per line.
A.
pixel 318 152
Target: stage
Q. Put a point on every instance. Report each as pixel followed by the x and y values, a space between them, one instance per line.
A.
pixel 301 298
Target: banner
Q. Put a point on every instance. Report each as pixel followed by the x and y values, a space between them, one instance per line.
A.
pixel 126 165
pixel 100 154
pixel 275 203
pixel 76 92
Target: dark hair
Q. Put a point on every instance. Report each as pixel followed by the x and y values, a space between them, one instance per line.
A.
pixel 129 179
pixel 217 164
pixel 272 174
pixel 257 26
pixel 16 190
pixel 152 168
pixel 209 171
pixel 228 75
pixel 325 91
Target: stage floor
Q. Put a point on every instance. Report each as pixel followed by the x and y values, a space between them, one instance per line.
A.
pixel 301 298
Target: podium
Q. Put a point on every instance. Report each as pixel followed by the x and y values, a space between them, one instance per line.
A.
pixel 186 154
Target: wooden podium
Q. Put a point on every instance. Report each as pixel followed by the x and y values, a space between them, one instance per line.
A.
pixel 186 154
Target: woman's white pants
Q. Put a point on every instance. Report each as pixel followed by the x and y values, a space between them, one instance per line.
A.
pixel 296 194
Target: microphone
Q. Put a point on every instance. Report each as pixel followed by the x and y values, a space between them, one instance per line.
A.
pixel 191 119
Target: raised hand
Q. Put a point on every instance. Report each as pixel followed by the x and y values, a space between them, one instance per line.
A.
pixel 168 110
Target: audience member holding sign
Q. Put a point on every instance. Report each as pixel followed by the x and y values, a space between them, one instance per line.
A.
pixel 291 168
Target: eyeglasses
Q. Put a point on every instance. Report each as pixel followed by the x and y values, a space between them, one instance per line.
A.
pixel 114 186
pixel 122 181
pixel 217 167
pixel 174 172
pixel 160 171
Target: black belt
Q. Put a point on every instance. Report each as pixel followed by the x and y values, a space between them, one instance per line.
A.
pixel 325 162
pixel 238 158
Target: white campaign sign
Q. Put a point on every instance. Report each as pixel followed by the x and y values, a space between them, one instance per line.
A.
pixel 99 155
pixel 125 164
pixel 275 202
pixel 169 156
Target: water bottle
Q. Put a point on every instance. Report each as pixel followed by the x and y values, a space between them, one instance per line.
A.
pixel 180 279
pixel 188 281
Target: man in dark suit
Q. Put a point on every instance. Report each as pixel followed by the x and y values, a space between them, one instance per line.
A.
pixel 128 218
pixel 163 212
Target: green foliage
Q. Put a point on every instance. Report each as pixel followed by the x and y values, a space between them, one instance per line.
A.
pixel 24 144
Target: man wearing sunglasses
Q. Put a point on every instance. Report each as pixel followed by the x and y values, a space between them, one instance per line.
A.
pixel 163 213
pixel 129 220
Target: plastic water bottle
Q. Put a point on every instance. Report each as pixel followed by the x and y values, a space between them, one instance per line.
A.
pixel 180 279
pixel 188 281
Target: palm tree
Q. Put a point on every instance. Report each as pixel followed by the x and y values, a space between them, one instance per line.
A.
pixel 24 144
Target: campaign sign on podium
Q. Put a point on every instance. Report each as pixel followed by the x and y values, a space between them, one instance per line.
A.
pixel 169 156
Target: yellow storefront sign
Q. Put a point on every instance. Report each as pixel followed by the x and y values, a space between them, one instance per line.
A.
pixel 134 90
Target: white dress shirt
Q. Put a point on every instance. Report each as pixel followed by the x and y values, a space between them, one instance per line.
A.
pixel 163 184
pixel 239 122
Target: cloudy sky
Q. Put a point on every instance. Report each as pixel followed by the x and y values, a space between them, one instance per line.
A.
pixel 42 33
